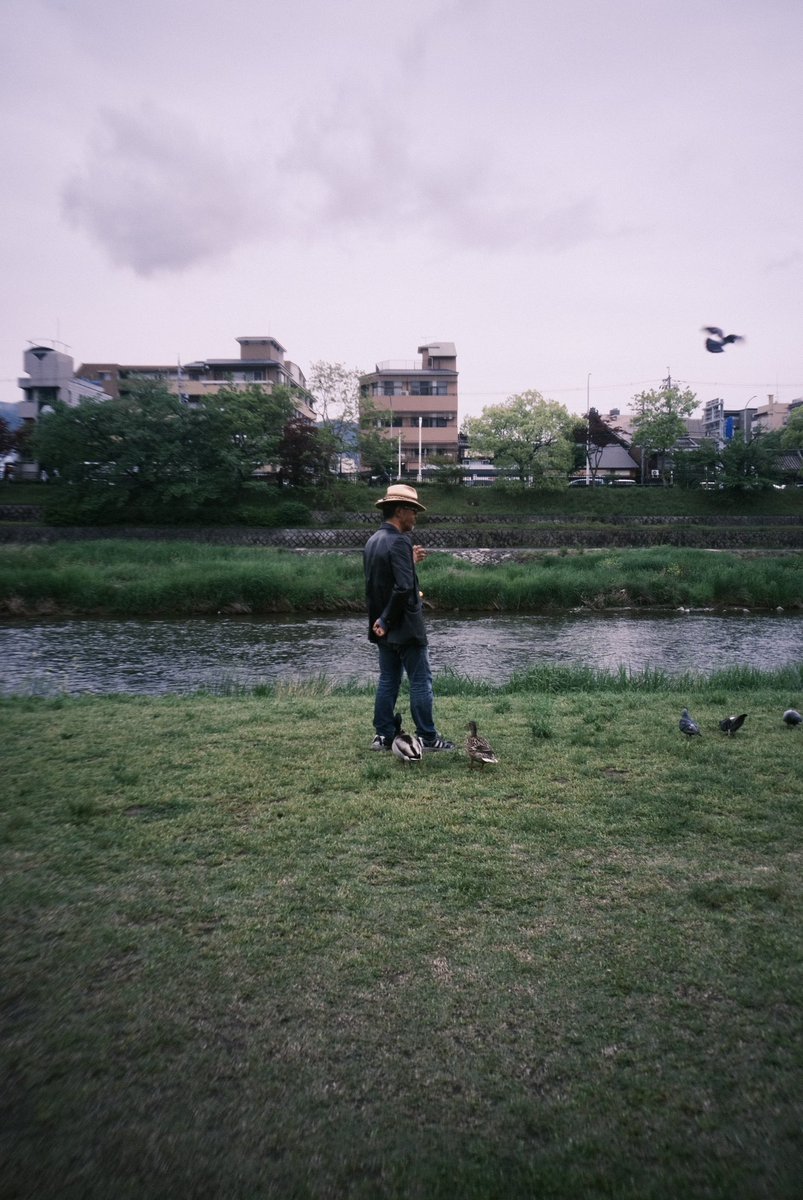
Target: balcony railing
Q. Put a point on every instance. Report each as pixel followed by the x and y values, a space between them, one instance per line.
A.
pixel 401 364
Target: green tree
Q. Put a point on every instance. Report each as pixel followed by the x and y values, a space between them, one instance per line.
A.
pixel 376 449
pixel 251 421
pixel 659 419
pixel 448 472
pixel 737 466
pixel 531 435
pixel 750 466
pixel 150 456
pixel 792 432
pixel 7 440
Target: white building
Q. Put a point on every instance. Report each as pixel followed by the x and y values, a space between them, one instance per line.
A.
pixel 49 378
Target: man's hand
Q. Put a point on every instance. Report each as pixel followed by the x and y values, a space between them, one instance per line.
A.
pixel 378 628
pixel 419 554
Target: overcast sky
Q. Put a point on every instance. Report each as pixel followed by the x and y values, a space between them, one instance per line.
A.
pixel 566 189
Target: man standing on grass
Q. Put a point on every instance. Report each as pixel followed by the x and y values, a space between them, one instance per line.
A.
pixel 396 619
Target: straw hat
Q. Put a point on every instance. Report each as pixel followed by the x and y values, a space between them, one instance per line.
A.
pixel 400 493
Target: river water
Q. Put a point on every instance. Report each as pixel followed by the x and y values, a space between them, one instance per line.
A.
pixel 153 657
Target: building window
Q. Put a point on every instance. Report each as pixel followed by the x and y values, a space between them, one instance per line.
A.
pixel 428 387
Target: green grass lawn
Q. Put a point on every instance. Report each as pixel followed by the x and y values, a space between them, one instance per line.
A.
pixel 243 956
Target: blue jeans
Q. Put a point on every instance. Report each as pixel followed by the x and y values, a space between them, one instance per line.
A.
pixel 414 660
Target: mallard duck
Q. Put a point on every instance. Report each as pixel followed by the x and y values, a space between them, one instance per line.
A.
pixel 478 748
pixel 792 717
pixel 687 724
pixel 406 746
pixel 731 724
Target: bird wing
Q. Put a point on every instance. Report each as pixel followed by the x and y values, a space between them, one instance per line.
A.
pixel 713 329
pixel 408 746
pixel 732 337
pixel 712 346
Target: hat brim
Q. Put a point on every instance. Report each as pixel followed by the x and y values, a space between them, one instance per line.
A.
pixel 400 500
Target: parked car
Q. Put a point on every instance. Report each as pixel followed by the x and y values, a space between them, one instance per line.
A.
pixel 581 481
pixel 623 483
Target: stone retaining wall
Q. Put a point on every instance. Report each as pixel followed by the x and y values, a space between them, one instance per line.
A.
pixel 719 536
pixel 324 519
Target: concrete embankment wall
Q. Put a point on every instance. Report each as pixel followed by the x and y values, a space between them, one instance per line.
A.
pixel 445 533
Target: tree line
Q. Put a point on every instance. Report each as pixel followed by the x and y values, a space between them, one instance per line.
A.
pixel 151 456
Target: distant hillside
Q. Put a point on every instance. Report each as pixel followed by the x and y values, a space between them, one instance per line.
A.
pixel 10 414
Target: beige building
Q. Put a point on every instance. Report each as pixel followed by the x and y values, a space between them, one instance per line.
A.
pixel 420 400
pixel 769 417
pixel 261 361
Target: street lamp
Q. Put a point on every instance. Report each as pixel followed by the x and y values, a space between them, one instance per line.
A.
pixel 588 430
pixel 744 421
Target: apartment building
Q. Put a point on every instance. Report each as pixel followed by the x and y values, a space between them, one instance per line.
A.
pixel 721 423
pixel 49 378
pixel 772 416
pixel 418 401
pixel 262 361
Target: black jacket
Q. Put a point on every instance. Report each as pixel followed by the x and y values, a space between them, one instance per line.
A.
pixel 391 587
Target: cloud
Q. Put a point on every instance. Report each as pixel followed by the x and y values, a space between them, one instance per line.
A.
pixel 362 168
pixel 158 199
pixel 785 261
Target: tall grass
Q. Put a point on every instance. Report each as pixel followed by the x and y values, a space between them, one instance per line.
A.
pixel 154 578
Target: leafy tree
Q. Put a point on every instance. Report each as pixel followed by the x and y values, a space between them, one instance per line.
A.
pixel 738 466
pixel 150 456
pixel 528 433
pixel 336 389
pixel 659 419
pixel 7 439
pixel 448 472
pixel 304 453
pixel 792 432
pixel 252 420
pixel 750 466
pixel 694 466
pixel 377 451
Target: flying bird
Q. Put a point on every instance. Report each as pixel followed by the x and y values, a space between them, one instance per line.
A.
pixel 687 724
pixel 792 717
pixel 478 748
pixel 731 724
pixel 406 746
pixel 718 340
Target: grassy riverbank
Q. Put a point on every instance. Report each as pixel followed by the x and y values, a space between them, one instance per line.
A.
pixel 245 957
pixel 128 578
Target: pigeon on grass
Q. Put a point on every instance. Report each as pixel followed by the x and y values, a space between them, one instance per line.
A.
pixel 731 724
pixel 688 725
